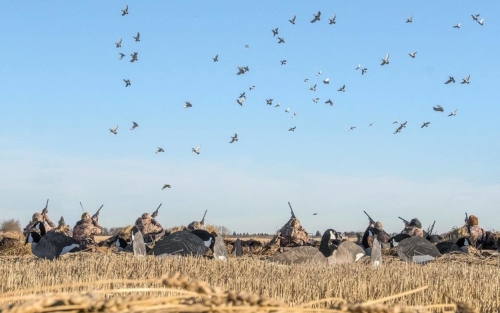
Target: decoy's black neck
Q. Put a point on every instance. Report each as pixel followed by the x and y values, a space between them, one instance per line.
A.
pixel 324 246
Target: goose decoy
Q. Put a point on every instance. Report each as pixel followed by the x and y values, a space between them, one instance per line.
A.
pixel 450 80
pixel 438 108
pixel 125 11
pixel 216 58
pixel 180 243
pixel 425 124
pixel 347 252
pixel 138 245
pixel 166 186
pixel 187 104
pixel 417 250
pixel 196 150
pixel 234 138
pixel 466 80
pixel 114 130
pixel 395 240
pixel 293 20
pixel 119 43
pixel 237 249
pixel 376 253
pixel 50 245
pixel 454 113
pixel 213 242
pixel 275 31
pixel 317 17
pixel 332 20
pixel 410 19
pixel 137 37
pixel 159 150
pixel 386 60
pixel 134 125
pixel 127 82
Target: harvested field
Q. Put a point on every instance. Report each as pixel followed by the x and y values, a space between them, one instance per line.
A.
pixel 453 279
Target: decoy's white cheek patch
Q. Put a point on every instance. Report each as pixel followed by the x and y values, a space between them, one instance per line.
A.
pixel 359 256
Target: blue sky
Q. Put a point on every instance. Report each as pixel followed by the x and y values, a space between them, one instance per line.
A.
pixel 62 89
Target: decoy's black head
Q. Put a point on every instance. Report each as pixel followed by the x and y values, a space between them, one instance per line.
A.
pixel 395 240
pixel 208 238
pixel 122 243
pixel 33 237
pixel 41 227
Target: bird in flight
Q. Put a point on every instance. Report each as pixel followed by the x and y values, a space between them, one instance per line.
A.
pixel 138 37
pixel 370 124
pixel 317 17
pixel 438 108
pixel 454 113
pixel 281 40
pixel 342 89
pixel 319 73
pixel 425 124
pixel 251 88
pixel 165 186
pixel 315 100
pixel 292 129
pixel 241 100
pixel 241 70
pixel 119 43
pixel 352 128
pixel 269 101
pixel 466 80
pixel 216 58
pixel 332 20
pixel 125 11
pixel 313 88
pixel 247 46
pixel 386 60
pixel 359 67
pixel 134 57
pixel 458 25
pixel 242 95
pixel 306 80
pixel 315 213
pixel 277 104
pixel 450 80
pixel 481 22
pixel 121 55
pixel 283 62
pixel 275 31
pixel 363 71
pixel 294 114
pixel 160 150
pixel 396 121
pixel 234 138
pixel 287 110
pixel 134 125
pixel 196 150
pixel 412 54
pixel 114 130
pixel 293 20
pixel 326 81
pixel 127 82
pixel 475 17
pixel 410 19
pixel 187 105
pixel 329 101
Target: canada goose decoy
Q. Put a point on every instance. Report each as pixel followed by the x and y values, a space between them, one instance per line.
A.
pixel 216 58
pixel 196 150
pixel 234 138
pixel 281 40
pixel 121 55
pixel 241 100
pixel 332 20
pixel 461 244
pixel 125 11
pixel 410 19
pixel 138 245
pixel 119 43
pixel 450 80
pixel 166 186
pixel 159 150
pixel 438 108
pixel 347 252
pixel 425 124
pixel 50 245
pixel 275 31
pixel 293 20
pixel 283 62
pixel 114 130
pixel 458 25
pixel 326 81
pixel 412 54
pixel 134 125
pixel 179 243
pixel 376 253
pixel 329 101
pixel 214 242
pixel 137 37
pixel 395 240
pixel 386 60
pixel 341 89
pixel 187 105
pixel 292 129
pixel 134 57
pixel 127 82
pixel 237 250
pixel 417 250
pixel 466 80
pixel 454 113
pixel 317 17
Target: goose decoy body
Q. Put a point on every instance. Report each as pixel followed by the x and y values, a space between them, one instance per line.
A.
pixel 237 250
pixel 50 245
pixel 376 253
pixel 138 245
pixel 180 243
pixel 417 250
pixel 213 242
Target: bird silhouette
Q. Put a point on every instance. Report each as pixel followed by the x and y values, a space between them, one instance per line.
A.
pixel 425 124
pixel 134 125
pixel 332 20
pixel 196 150
pixel 165 186
pixel 137 37
pixel 450 80
pixel 293 20
pixel 125 11
pixel 114 130
pixel 234 138
pixel 466 80
pixel 410 19
pixel 160 150
pixel 216 58
pixel 317 17
pixel 438 108
pixel 127 82
pixel 275 31
pixel 187 105
pixel 386 60
pixel 119 43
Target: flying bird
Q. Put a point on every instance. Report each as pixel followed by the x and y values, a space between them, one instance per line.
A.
pixel 125 11
pixel 342 89
pixel 363 71
pixel 196 150
pixel 315 100
pixel 315 213
pixel 438 108
pixel 475 17
pixel 234 138
pixel 292 129
pixel 127 82
pixel 332 20
pixel 241 70
pixel 251 88
pixel 410 19
pixel 319 73
pixel 166 186
pixel 241 100
pixel 326 81
pixel 269 101
pixel 187 105
pixel 450 80
pixel 277 104
pixel 396 121
pixel 247 46
pixel 386 60
pixel 370 124
pixel 425 124
pixel 160 150
pixel 306 80
pixel 242 95
pixel 216 58
pixel 134 57
pixel 352 128
pixel 458 25
pixel 466 80
pixel 275 31
pixel 293 20
pixel 283 62
pixel 281 40
pixel 359 67
pixel 412 54
pixel 313 88
pixel 294 114
pixel 481 22
pixel 134 125
pixel 119 43
pixel 287 110
pixel 114 130
pixel 121 55
pixel 454 113
pixel 317 17
pixel 138 37
pixel 329 101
